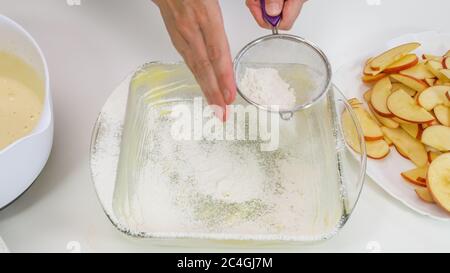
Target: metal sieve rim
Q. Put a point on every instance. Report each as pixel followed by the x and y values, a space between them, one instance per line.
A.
pixel 296 39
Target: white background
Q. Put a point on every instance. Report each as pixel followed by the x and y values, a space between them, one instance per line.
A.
pixel 90 48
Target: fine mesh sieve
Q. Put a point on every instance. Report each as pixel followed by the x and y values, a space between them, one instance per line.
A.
pixel 299 63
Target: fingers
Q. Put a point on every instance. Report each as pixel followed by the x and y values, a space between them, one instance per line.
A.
pixel 199 60
pixel 255 8
pixel 218 51
pixel 274 7
pixel 291 11
pixel 197 32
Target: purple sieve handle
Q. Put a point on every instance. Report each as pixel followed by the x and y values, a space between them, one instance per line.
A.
pixel 273 20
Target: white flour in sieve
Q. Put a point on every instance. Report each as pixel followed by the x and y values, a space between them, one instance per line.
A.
pixel 266 87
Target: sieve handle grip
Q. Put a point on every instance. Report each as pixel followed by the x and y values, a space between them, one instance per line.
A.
pixel 273 20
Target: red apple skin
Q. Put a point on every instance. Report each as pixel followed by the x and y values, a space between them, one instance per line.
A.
pixel 425 200
pixel 421 182
pixel 379 158
pixel 448 95
pixel 382 114
pixel 444 62
pixel 372 157
pixel 402 67
pixel 369 78
pixel 434 81
pixel 427 122
pixel 400 153
pixel 420 132
pixel 411 121
pixel 424 83
pixel 373 138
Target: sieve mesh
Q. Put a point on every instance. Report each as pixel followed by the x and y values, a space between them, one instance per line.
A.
pixel 300 63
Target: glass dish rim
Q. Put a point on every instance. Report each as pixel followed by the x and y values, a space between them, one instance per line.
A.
pixel 210 236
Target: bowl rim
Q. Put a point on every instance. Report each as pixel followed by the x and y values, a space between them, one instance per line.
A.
pixel 44 124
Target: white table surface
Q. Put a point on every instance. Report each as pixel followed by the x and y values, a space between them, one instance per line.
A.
pixel 91 47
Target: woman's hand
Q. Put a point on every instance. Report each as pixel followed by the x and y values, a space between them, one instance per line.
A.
pixel 289 10
pixel 197 32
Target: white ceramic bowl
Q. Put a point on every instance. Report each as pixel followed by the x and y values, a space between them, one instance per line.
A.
pixel 22 161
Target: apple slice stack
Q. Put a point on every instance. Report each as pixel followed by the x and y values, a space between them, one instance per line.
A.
pixel 408 107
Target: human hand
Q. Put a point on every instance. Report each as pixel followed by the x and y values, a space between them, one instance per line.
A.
pixel 289 10
pixel 197 32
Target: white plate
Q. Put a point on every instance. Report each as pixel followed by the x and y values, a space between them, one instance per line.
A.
pixel 386 172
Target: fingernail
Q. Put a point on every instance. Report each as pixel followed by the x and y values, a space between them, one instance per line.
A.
pixel 273 9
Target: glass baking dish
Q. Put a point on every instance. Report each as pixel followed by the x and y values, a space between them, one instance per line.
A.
pixel 153 185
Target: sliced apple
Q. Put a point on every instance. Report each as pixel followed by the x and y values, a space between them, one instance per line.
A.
pixel 446 73
pixel 432 96
pixel 432 155
pixel 380 92
pixel 409 146
pixel 418 71
pixel 430 57
pixel 377 149
pixel 391 56
pixel 424 195
pixel 439 82
pixel 433 123
pixel 388 141
pixel 447 54
pixel 431 81
pixel 404 107
pixel 367 95
pixel 406 62
pixel 438 137
pixel 414 130
pixel 373 78
pixel 388 122
pixel 417 176
pixel 446 62
pixel 368 71
pixel 370 128
pixel 350 132
pixel 442 114
pixel 416 84
pixel 401 121
pixel 396 86
pixel 354 102
pixel 401 152
pixel 438 181
pixel 435 67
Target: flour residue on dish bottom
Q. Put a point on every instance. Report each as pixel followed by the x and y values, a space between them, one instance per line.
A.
pixel 229 187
